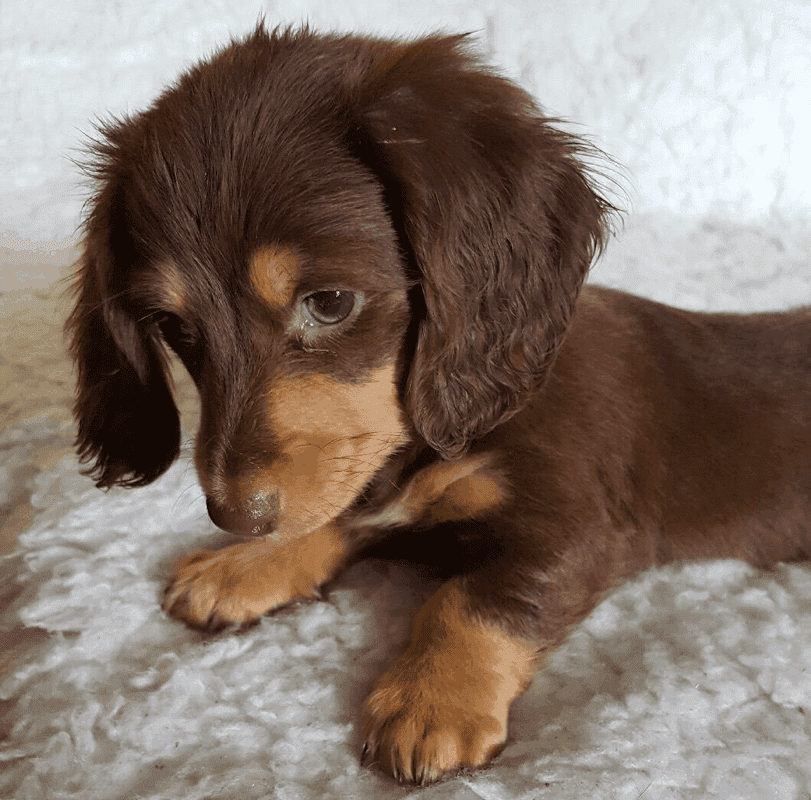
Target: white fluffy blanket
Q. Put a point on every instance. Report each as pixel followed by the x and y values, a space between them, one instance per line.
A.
pixel 690 682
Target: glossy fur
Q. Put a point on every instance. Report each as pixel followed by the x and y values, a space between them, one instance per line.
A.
pixel 547 441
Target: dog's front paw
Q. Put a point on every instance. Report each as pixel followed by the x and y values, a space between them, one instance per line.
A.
pixel 444 702
pixel 212 590
pixel 239 584
pixel 417 728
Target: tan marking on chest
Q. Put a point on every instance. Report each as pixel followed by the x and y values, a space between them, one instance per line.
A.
pixel 448 490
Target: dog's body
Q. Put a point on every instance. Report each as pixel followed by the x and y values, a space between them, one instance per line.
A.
pixel 369 257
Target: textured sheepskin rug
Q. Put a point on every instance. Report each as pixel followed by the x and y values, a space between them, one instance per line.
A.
pixel 692 681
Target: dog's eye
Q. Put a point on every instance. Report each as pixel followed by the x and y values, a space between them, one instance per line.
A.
pixel 329 307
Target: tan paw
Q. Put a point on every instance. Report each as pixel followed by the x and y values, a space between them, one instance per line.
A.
pixel 239 584
pixel 444 702
pixel 417 731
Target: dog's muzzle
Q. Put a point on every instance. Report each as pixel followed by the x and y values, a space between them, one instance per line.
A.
pixel 257 516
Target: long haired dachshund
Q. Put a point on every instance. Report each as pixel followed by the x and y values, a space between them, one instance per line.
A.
pixel 369 257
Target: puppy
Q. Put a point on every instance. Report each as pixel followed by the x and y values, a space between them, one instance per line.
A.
pixel 369 257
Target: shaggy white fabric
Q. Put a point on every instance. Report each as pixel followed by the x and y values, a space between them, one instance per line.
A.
pixel 689 682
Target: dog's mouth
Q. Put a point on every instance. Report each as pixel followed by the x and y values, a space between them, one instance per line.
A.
pixel 332 438
pixel 302 503
pixel 297 495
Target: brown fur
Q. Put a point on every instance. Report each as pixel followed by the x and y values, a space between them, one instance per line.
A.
pixel 369 257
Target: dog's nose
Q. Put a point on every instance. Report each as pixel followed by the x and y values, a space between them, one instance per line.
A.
pixel 256 516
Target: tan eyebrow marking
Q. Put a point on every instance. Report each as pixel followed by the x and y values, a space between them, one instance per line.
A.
pixel 274 274
pixel 163 285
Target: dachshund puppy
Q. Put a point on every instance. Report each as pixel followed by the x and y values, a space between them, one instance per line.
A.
pixel 369 256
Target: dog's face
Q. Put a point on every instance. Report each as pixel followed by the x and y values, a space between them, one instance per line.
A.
pixel 350 244
pixel 307 409
pixel 288 309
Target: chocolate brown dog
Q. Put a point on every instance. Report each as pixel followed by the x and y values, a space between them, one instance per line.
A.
pixel 369 256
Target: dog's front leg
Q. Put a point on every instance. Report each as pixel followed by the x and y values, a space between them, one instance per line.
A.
pixel 237 585
pixel 443 703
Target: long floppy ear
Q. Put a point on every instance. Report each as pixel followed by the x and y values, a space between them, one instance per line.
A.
pixel 501 220
pixel 128 426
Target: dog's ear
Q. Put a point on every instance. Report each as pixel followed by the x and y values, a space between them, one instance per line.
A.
pixel 501 220
pixel 128 425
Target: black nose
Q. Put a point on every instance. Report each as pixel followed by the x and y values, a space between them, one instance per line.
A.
pixel 257 516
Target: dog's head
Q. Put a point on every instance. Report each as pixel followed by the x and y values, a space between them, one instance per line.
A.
pixel 351 244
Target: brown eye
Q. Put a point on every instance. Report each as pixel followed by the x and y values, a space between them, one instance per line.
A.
pixel 330 307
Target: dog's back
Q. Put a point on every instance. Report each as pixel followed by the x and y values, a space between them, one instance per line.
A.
pixel 700 423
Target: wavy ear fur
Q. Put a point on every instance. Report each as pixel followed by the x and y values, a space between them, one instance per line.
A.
pixel 502 223
pixel 128 426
